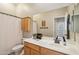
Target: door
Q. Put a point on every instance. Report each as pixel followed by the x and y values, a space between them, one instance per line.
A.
pixel 60 26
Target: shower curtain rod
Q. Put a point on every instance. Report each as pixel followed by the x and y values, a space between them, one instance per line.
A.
pixel 10 15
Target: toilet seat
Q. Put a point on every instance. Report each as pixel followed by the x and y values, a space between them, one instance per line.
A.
pixel 18 47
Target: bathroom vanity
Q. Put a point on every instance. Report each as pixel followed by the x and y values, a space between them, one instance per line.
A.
pixel 48 47
pixel 32 49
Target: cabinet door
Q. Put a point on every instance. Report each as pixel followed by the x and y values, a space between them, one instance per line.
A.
pixel 33 46
pixel 27 51
pixel 33 52
pixel 25 24
pixel 45 51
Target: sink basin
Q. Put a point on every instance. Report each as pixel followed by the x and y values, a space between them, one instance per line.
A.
pixel 51 43
pixel 46 41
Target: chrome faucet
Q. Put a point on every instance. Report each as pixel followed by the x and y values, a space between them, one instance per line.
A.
pixel 57 40
pixel 64 40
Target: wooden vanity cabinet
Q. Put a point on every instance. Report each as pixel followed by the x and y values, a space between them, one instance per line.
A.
pixel 32 49
pixel 45 51
pixel 34 52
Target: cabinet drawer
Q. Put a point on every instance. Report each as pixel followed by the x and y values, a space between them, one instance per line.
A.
pixel 33 46
pixel 45 51
pixel 33 52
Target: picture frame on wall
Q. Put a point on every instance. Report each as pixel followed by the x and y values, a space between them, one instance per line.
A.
pixel 43 24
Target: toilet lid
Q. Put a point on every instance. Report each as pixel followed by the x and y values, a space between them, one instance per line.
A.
pixel 17 47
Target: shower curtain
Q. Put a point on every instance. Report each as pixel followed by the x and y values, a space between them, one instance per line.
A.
pixel 10 33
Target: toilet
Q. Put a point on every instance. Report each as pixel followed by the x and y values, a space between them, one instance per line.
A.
pixel 17 49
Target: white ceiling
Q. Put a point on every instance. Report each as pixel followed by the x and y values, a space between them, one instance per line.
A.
pixel 24 9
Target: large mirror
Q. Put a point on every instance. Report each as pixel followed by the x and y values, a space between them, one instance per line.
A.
pixel 75 22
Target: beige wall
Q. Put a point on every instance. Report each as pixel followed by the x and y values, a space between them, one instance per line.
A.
pixel 49 17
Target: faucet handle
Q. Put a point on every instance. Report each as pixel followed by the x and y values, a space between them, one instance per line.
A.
pixel 64 39
pixel 57 40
